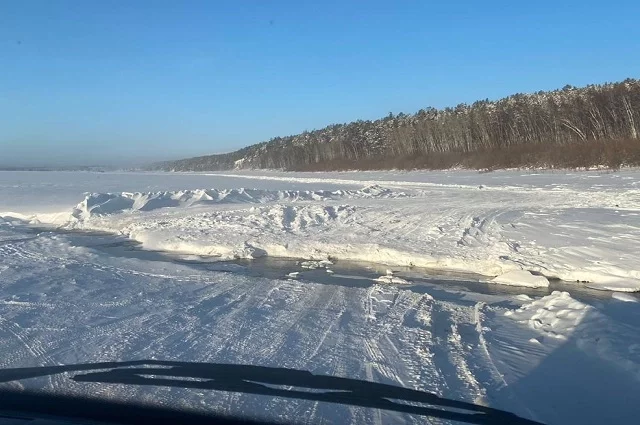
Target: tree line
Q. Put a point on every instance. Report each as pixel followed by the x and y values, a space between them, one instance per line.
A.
pixel 592 125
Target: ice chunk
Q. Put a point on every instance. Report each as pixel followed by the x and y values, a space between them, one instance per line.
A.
pixel 392 279
pixel 521 278
pixel 620 296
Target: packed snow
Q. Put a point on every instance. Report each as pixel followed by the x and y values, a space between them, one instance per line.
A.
pixel 570 356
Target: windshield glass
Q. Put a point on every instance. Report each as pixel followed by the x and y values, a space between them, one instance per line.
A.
pixel 208 206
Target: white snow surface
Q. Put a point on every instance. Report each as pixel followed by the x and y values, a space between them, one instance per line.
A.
pixel 559 316
pixel 97 204
pixel 582 227
pixel 547 359
pixel 560 357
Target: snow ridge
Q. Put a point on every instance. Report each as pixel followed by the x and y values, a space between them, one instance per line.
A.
pixel 99 204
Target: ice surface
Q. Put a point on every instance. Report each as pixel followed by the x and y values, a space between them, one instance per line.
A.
pixel 521 278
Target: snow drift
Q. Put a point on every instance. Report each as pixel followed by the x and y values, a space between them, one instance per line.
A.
pixel 114 203
pixel 559 316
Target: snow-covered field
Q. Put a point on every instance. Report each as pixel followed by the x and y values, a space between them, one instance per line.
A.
pixel 579 227
pixel 555 357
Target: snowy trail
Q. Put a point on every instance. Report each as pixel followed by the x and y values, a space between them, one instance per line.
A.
pixel 65 304
pixel 317 327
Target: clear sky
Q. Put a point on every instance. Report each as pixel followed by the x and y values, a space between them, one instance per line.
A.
pixel 101 81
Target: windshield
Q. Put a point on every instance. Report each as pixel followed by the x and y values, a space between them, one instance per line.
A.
pixel 207 206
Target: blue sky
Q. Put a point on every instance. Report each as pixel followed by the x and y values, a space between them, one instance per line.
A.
pixel 108 81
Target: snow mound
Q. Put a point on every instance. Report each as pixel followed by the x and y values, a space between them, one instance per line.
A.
pixel 98 204
pixel 390 279
pixel 294 218
pixel 561 317
pixel 555 315
pixel 249 252
pixel 521 278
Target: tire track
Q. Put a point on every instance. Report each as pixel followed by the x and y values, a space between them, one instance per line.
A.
pixel 34 348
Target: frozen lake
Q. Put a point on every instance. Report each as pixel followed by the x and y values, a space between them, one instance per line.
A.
pixel 545 353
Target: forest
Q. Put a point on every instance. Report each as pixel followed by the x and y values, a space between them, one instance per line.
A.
pixel 596 125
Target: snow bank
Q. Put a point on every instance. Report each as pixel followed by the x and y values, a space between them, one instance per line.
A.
pixel 96 204
pixel 498 234
pixel 606 282
pixel 521 278
pixel 555 315
pixel 624 297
